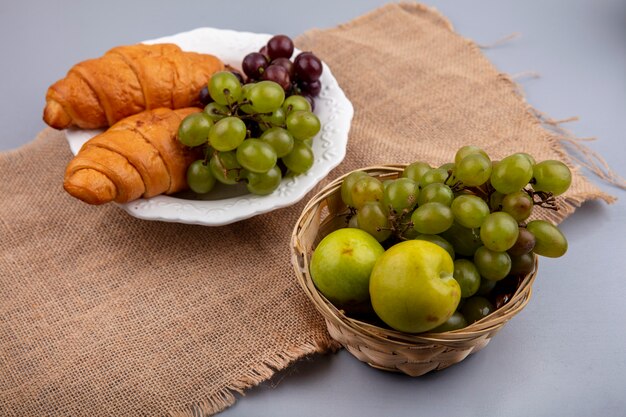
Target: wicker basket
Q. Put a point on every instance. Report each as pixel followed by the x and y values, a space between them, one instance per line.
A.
pixel 383 348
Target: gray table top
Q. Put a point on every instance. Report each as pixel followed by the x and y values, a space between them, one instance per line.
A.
pixel 565 354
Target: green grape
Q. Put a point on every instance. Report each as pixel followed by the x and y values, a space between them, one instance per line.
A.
pixel 303 124
pixel 366 189
pixel 552 177
pixel 530 158
pixel 245 99
pixel 216 111
pixel 435 193
pixel 524 244
pixel 469 211
pixel 465 241
pixel 225 168
pixel 486 286
pixel 295 103
pixel 264 183
pixel 495 201
pixel 266 96
pixel 387 183
pixel 466 151
pixel 256 155
pixel 400 195
pixel 455 322
pixel 432 218
pixel 225 88
pixel 512 173
pixel 279 139
pixel 491 264
pixel 415 171
pixel 262 127
pixel 227 134
pixel 374 219
pixel 468 277
pixel 300 159
pixel 473 170
pixel 432 176
pixel 438 240
pixel 275 118
pixel 194 129
pixel 448 166
pixel 199 177
pixel 476 308
pixel 347 184
pixel 499 231
pixel 549 241
pixel 518 204
pixel 522 265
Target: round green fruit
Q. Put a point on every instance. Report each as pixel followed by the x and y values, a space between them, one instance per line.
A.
pixel 341 266
pixel 412 287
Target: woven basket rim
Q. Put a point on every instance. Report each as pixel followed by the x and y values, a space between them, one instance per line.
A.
pixel 490 324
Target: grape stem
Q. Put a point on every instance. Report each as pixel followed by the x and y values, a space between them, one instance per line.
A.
pixel 227 171
pixel 207 154
pixel 406 226
pixel 479 191
pixel 396 225
pixel 543 199
pixel 351 214
pixel 237 105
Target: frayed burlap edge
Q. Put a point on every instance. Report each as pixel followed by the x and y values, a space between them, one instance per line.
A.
pixel 261 372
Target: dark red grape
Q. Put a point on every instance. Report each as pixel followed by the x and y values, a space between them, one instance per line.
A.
pixel 205 97
pixel 254 65
pixel 280 46
pixel 525 243
pixel 285 63
pixel 238 75
pixel 522 265
pixel 307 67
pixel 263 51
pixel 311 101
pixel 313 88
pixel 279 75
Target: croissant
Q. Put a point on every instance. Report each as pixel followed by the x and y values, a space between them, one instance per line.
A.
pixel 127 80
pixel 140 156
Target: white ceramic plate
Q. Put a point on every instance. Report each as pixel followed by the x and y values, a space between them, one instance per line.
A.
pixel 228 204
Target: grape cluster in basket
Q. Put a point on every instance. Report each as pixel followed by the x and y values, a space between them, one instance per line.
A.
pixel 474 208
pixel 251 133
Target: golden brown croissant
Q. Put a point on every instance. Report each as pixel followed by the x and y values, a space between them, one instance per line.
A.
pixel 127 80
pixel 140 156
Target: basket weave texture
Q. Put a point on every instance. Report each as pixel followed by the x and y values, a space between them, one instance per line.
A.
pixel 382 348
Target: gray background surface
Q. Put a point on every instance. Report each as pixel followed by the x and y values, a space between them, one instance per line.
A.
pixel 565 354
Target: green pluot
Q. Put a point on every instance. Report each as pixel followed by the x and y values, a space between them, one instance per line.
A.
pixel 412 287
pixel 341 266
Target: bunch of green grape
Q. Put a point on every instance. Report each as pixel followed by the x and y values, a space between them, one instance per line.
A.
pixel 250 133
pixel 476 209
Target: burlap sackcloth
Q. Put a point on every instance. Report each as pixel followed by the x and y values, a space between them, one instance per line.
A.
pixel 102 314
